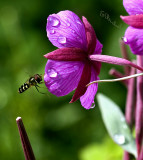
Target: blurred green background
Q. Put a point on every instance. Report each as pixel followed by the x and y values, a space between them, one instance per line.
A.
pixel 57 129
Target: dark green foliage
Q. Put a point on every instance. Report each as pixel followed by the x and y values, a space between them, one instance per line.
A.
pixel 57 129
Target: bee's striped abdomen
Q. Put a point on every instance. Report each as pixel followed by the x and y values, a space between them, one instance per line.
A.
pixel 32 81
pixel 23 88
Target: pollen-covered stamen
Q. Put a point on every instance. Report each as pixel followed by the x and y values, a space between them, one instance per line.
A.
pixel 90 35
pixel 84 80
pixel 135 21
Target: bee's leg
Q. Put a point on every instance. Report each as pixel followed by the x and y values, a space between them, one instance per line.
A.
pixel 40 86
pixel 38 89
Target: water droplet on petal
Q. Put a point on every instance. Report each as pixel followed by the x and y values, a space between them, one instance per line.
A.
pixel 54 86
pixel 125 39
pixel 76 68
pixel 62 40
pixel 52 31
pixel 68 24
pixel 119 139
pixel 79 39
pixel 52 73
pixel 93 105
pixel 73 31
pixel 78 22
pixel 59 91
pixel 53 21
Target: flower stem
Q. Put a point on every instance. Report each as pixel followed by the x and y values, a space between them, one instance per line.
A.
pixel 129 110
pixel 141 154
pixel 118 79
pixel 28 152
pixel 139 108
pixel 130 100
pixel 117 74
pixel 125 56
pixel 126 156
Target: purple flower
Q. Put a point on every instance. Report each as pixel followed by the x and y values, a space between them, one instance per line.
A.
pixel 134 33
pixel 77 62
pixel 69 66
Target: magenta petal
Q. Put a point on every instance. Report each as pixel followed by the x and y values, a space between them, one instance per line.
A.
pixel 84 80
pixel 133 6
pixel 65 29
pixel 87 100
pixel 114 60
pixel 62 77
pixel 67 54
pixel 97 66
pixel 98 50
pixel 134 38
pixel 135 21
pixel 90 35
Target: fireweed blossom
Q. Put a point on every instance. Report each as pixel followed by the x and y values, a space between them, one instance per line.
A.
pixel 78 59
pixel 70 67
pixel 134 33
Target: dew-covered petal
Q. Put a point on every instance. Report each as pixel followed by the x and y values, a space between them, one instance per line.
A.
pixel 133 6
pixel 65 29
pixel 135 21
pixel 90 35
pixel 134 38
pixel 84 80
pixel 67 54
pixel 62 77
pixel 87 100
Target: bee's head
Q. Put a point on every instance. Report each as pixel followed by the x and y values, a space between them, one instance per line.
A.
pixel 38 78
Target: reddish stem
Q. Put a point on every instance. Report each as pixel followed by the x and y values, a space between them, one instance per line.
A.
pixel 130 102
pixel 28 152
pixel 126 156
pixel 117 74
pixel 125 56
pixel 141 154
pixel 139 108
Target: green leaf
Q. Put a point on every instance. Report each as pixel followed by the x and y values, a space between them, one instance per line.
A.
pixel 116 125
pixel 96 151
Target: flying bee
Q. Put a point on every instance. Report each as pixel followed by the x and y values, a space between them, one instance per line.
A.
pixel 32 81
